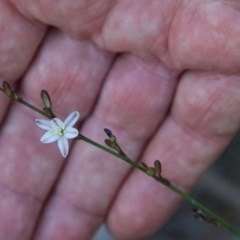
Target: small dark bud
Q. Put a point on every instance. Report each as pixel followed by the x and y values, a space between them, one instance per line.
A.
pixel 46 99
pixel 112 138
pixel 158 168
pixel 111 144
pixel 7 89
pixel 200 215
pixel 108 132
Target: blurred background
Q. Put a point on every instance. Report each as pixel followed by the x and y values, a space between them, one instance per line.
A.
pixel 218 189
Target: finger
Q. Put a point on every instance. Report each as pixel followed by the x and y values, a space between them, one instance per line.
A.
pixel 71 71
pixel 182 34
pixel 134 100
pixel 29 169
pixel 19 40
pixel 80 18
pixel 204 117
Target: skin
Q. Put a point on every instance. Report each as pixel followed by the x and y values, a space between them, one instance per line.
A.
pixel 163 75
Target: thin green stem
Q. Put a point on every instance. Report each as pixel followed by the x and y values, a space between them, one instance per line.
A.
pixel 106 149
pixel 32 107
pixel 213 216
pixel 216 219
pixel 23 102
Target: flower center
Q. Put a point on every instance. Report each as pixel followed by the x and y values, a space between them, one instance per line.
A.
pixel 59 131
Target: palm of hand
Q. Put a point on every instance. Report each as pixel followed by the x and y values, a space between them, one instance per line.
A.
pixel 162 75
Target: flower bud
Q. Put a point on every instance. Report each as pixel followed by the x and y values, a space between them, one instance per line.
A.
pixel 46 99
pixel 7 89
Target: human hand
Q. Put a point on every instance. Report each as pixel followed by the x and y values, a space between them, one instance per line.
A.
pixel 163 75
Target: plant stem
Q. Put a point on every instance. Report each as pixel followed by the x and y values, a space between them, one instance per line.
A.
pixel 208 214
pixel 18 99
pixel 213 216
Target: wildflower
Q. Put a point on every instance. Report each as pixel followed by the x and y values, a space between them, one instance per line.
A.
pixel 59 131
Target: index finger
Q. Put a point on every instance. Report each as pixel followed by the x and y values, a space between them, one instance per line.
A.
pixel 19 39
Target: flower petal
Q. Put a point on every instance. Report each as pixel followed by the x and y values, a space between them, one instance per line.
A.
pixel 72 119
pixel 63 146
pixel 70 132
pixel 56 123
pixel 49 137
pixel 43 124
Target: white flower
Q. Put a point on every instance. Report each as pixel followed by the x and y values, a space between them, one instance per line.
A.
pixel 59 131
